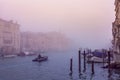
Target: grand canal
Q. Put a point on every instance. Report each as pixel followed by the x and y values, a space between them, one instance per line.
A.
pixel 56 68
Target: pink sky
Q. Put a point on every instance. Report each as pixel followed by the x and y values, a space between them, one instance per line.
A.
pixel 87 22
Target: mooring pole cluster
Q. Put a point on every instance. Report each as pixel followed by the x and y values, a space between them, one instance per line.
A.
pixel 80 62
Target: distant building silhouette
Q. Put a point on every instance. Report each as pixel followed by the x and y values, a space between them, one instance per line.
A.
pixel 42 42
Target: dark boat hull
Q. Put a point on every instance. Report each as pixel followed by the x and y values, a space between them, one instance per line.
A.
pixel 40 59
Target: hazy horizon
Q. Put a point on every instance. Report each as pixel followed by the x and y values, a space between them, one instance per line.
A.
pixel 87 23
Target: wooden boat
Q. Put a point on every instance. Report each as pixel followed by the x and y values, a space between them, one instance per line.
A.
pixel 40 59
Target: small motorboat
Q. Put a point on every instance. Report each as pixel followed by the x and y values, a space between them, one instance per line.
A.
pixel 39 58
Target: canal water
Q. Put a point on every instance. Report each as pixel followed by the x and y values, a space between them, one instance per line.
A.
pixel 56 68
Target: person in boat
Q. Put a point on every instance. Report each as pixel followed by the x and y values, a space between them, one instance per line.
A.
pixel 39 56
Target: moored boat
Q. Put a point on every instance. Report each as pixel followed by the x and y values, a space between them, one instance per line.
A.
pixel 96 60
pixel 9 56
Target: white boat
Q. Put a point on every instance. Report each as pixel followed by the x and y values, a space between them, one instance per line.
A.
pixel 26 53
pixel 9 56
pixel 96 59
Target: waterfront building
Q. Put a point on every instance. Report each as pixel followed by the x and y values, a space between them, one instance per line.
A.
pixel 32 41
pixel 9 37
pixel 116 32
pixel 43 42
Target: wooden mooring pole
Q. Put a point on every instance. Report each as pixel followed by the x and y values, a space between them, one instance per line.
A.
pixel 71 66
pixel 79 61
pixel 84 54
pixel 109 61
pixel 92 67
pixel 103 58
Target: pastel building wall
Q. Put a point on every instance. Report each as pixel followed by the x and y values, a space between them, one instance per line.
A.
pixel 116 32
pixel 9 37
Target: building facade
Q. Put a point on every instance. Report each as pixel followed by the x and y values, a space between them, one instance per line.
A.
pixel 9 37
pixel 116 32
pixel 33 41
pixel 44 42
